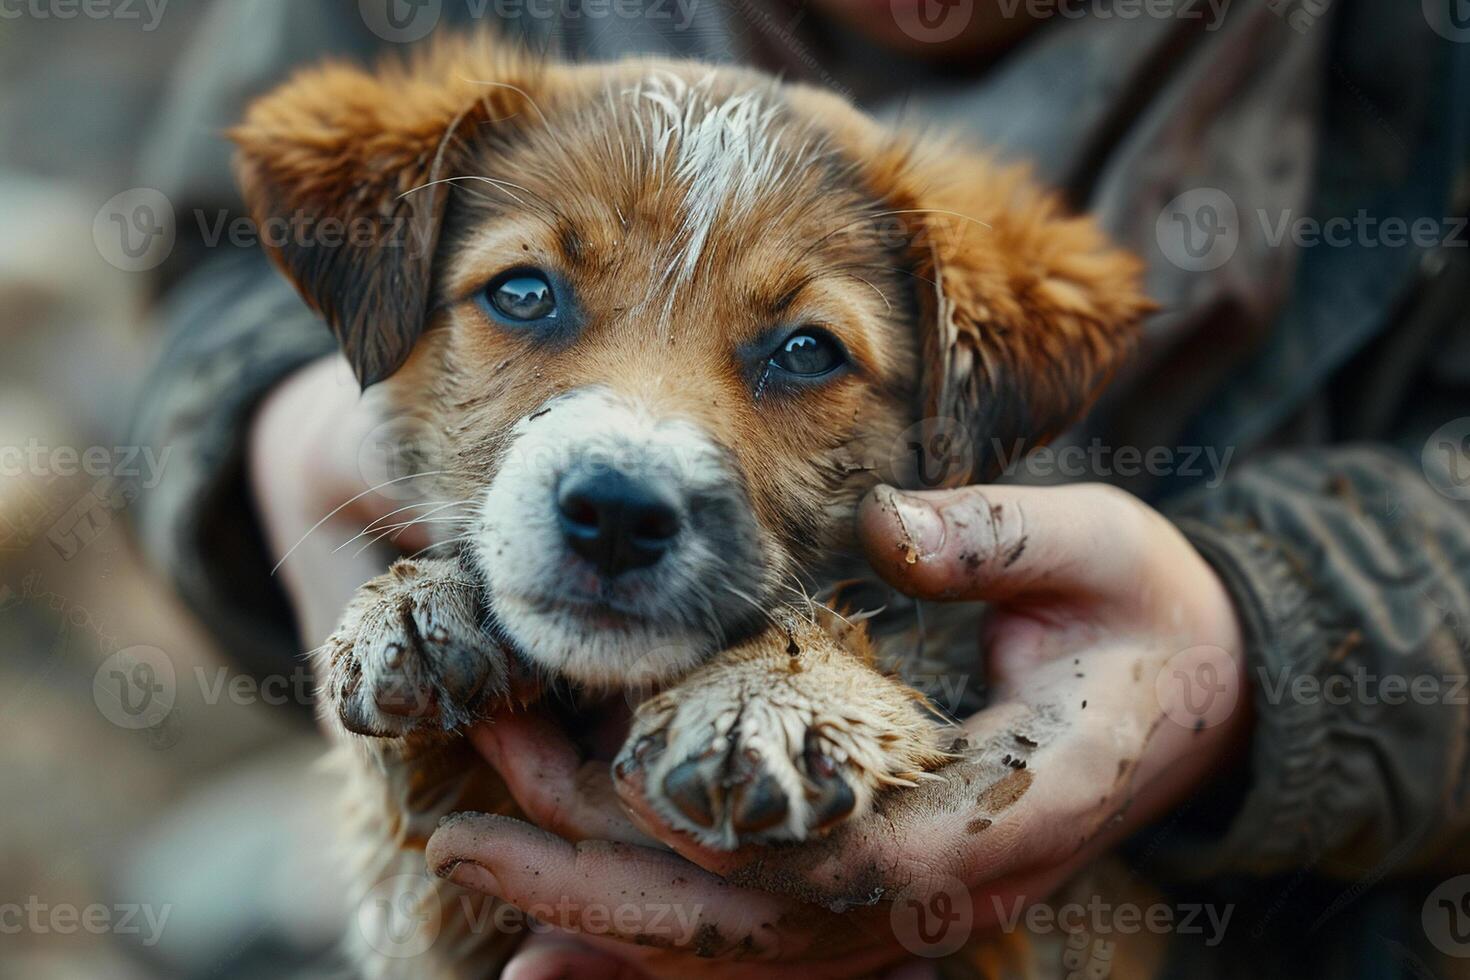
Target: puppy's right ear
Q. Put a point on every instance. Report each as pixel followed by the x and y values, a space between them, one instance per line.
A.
pixel 339 166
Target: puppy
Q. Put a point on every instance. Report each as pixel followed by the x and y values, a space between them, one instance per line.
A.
pixel 673 322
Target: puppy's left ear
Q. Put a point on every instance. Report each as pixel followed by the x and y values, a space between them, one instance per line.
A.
pixel 1026 311
pixel 339 168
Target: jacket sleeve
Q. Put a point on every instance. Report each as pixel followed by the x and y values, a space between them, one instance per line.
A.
pixel 1350 568
pixel 234 329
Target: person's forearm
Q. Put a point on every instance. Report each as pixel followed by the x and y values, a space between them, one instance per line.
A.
pixel 1352 576
pixel 298 439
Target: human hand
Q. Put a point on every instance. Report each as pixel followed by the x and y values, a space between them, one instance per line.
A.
pixel 1115 659
pixel 310 443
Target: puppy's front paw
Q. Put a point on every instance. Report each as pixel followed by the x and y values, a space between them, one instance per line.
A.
pixel 411 653
pixel 780 739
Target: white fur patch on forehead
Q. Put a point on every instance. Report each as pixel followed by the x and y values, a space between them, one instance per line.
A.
pixel 723 151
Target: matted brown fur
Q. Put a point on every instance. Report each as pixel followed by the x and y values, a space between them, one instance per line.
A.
pixel 959 290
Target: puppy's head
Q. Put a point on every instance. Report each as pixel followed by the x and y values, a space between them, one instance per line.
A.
pixel 673 319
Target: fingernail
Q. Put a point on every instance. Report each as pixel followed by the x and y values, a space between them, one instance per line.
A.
pixel 923 527
pixel 467 874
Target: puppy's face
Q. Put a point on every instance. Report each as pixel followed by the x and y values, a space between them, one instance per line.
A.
pixel 669 322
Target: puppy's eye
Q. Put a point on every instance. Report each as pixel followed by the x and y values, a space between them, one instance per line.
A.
pixel 809 353
pixel 522 296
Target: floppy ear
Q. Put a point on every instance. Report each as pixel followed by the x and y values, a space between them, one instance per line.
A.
pixel 338 165
pixel 1026 311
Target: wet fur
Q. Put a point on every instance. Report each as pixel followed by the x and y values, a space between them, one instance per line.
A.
pixel 695 207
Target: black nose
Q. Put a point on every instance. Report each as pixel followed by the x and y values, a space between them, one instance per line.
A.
pixel 615 521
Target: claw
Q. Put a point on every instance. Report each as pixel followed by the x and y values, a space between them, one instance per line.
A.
pixel 394 696
pixel 758 806
pixel 833 799
pixel 686 789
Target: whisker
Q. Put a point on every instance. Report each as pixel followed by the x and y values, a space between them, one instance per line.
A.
pixel 376 523
pixel 397 529
pixel 514 88
pixel 346 503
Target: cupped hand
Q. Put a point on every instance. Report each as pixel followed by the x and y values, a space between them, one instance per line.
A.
pixel 1114 657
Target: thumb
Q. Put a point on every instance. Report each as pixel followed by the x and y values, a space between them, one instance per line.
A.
pixel 1007 544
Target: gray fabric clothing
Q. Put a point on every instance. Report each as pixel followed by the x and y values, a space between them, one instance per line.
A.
pixel 1314 372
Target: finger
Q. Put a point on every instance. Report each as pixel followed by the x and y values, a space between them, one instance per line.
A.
pixel 817 871
pixel 549 781
pixel 954 826
pixel 556 957
pixel 620 891
pixel 1004 543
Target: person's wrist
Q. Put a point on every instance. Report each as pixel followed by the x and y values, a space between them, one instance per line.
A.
pixel 301 466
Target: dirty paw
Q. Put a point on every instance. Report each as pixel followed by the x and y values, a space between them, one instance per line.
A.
pixel 775 746
pixel 411 653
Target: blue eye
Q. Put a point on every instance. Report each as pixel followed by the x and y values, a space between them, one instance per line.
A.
pixel 809 353
pixel 522 296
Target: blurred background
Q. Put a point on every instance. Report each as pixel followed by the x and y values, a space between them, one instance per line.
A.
pixel 160 839
pixel 161 811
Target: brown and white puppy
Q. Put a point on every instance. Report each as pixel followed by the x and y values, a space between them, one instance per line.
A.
pixel 672 321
